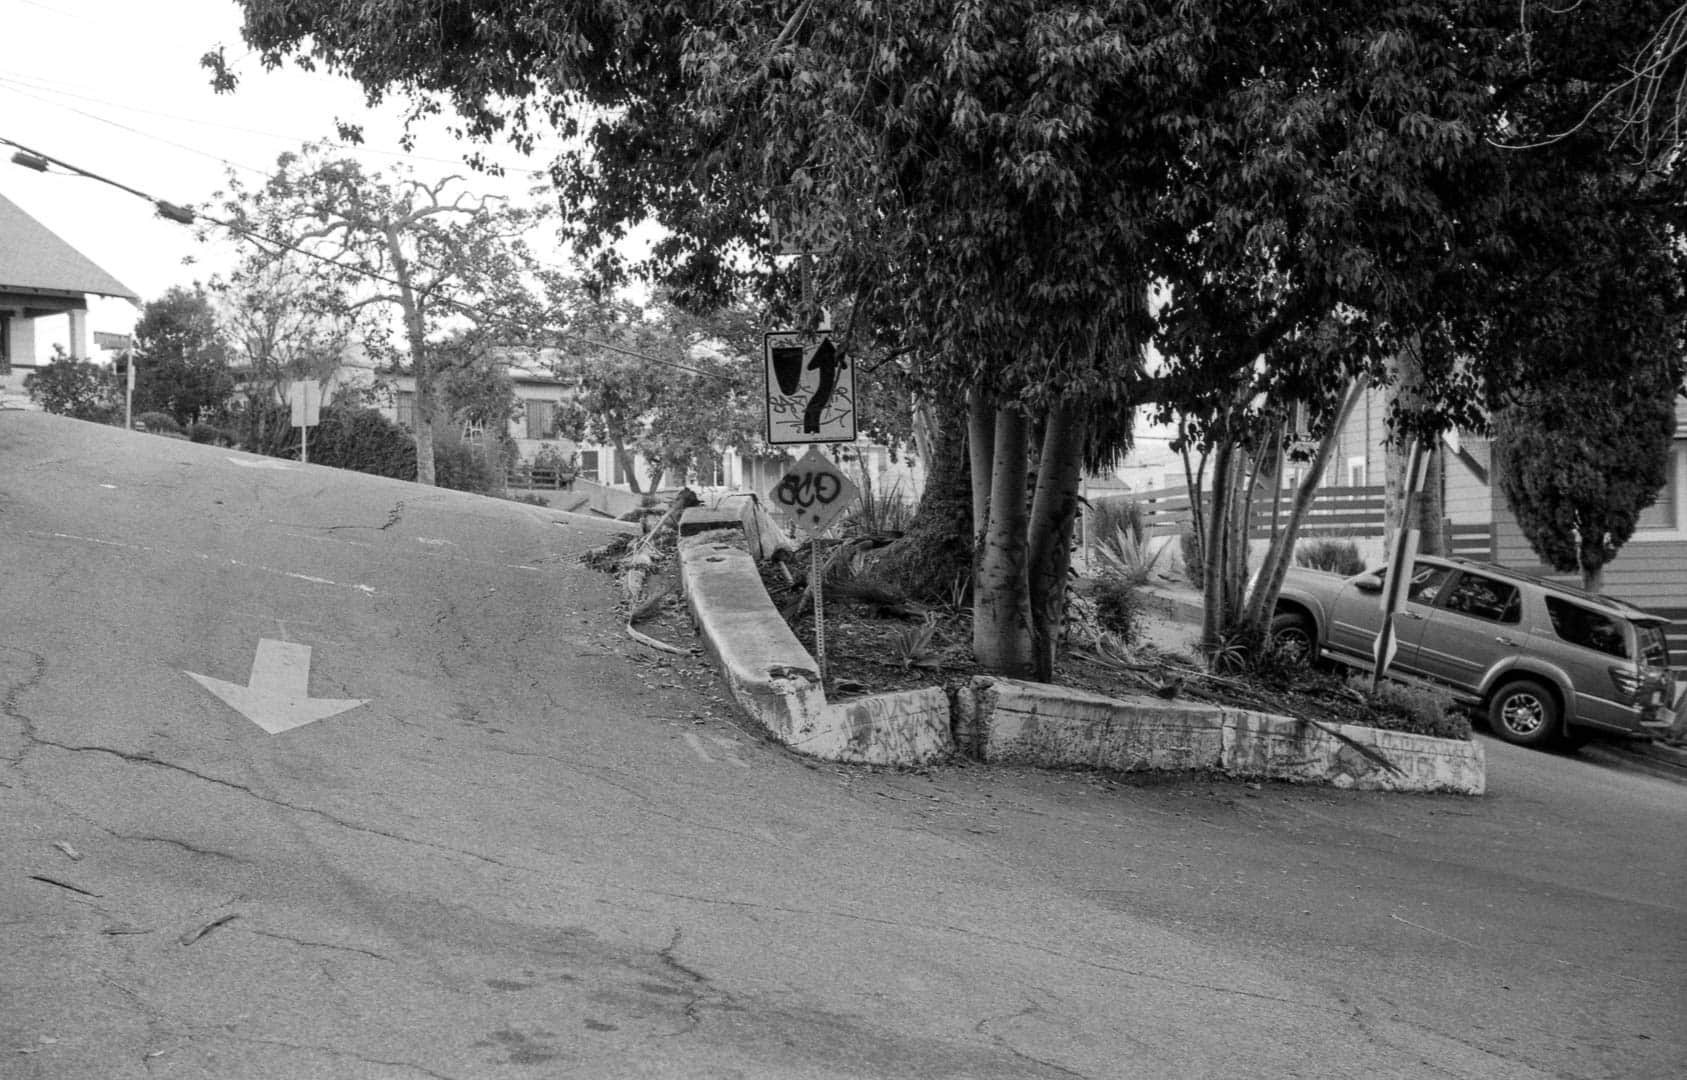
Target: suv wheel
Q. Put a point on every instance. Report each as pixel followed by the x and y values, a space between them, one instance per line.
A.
pixel 1525 713
pixel 1293 634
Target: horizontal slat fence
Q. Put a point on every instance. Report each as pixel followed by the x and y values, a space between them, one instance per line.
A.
pixel 1356 511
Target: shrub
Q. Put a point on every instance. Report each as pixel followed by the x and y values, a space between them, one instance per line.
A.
pixel 878 513
pixel 209 433
pixel 1114 517
pixel 363 440
pixel 1117 607
pixel 1338 556
pixel 1189 546
pixel 463 466
pixel 1424 710
pixel 1125 555
pixel 158 423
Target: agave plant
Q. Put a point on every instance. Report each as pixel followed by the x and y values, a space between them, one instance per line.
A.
pixel 1127 556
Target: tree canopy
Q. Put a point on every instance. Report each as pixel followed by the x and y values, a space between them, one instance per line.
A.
pixel 1322 186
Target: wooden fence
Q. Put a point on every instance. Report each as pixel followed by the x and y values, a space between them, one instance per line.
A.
pixel 1356 512
pixel 533 476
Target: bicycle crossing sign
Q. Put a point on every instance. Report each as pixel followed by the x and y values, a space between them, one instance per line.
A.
pixel 814 492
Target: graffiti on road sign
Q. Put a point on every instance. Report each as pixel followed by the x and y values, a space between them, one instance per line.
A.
pixel 810 389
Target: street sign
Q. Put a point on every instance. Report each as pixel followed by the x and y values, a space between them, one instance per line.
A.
pixel 306 401
pixel 814 492
pixel 810 388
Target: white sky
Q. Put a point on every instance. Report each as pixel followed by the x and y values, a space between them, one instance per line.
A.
pixel 115 87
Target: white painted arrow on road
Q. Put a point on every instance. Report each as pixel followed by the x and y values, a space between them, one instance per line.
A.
pixel 277 697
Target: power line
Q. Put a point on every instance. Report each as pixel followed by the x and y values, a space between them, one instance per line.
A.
pixel 34 159
pixel 34 88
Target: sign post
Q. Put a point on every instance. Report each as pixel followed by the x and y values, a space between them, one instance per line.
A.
pixel 1400 562
pixel 305 398
pixel 814 493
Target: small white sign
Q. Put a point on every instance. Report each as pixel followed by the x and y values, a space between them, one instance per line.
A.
pixel 305 398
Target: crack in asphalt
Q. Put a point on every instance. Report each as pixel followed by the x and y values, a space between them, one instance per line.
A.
pixel 321 945
pixel 183 844
pixel 9 704
pixel 983 1028
pixel 148 759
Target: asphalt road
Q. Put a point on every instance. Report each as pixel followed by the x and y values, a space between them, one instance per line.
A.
pixel 529 848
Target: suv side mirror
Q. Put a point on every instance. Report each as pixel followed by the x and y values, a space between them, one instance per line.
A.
pixel 1371 582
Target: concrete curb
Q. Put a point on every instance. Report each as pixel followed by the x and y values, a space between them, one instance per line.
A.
pixel 1005 720
pixel 777 683
pixel 774 679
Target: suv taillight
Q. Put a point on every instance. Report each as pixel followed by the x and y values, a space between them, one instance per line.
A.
pixel 1627 681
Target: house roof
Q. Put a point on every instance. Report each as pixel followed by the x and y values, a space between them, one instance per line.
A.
pixel 34 259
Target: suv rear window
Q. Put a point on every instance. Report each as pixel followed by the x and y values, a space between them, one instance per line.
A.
pixel 1588 628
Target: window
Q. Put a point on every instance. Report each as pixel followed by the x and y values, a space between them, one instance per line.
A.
pixel 1664 519
pixel 1426 583
pixel 541 417
pixel 5 344
pixel 1356 472
pixel 407 408
pixel 1588 628
pixel 588 465
pixel 1485 598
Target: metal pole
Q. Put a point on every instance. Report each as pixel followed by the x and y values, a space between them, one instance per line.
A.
pixel 304 439
pixel 819 609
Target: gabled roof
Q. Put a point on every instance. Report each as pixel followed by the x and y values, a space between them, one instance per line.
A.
pixel 34 259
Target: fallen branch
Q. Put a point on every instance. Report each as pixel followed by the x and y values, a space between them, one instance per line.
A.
pixel 646 639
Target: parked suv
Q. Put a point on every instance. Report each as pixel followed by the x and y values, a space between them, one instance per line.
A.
pixel 1546 662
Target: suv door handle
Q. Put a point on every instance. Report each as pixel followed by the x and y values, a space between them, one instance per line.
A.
pixel 1410 615
pixel 1503 640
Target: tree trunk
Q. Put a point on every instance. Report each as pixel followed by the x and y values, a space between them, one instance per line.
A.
pixel 1001 623
pixel 934 562
pixel 1049 534
pixel 1280 554
pixel 415 332
pixel 981 448
pixel 625 457
pixel 1214 617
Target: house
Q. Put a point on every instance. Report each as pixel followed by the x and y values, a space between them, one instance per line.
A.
pixel 42 279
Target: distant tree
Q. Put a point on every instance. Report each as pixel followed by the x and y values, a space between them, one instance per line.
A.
pixel 181 356
pixel 74 388
pixel 1578 462
pixel 284 324
pixel 431 255
pixel 657 383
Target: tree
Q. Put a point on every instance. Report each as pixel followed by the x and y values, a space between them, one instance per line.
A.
pixel 74 388
pixel 181 357
pixel 285 324
pixel 1005 181
pixel 429 253
pixel 679 391
pixel 1579 462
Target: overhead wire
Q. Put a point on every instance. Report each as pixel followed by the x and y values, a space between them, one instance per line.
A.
pixel 35 159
